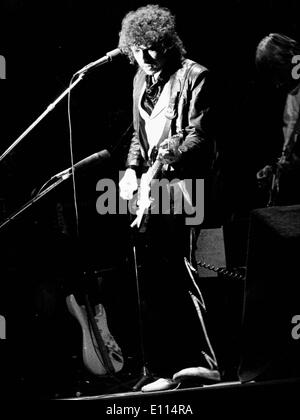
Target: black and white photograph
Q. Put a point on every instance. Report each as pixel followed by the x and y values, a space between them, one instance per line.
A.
pixel 150 203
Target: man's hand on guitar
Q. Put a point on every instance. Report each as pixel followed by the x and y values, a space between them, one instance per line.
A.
pixel 264 177
pixel 128 184
pixel 286 164
pixel 169 152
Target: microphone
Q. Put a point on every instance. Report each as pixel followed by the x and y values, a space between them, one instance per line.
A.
pixel 108 57
pixel 90 160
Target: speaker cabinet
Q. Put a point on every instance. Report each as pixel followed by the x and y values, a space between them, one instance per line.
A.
pixel 269 348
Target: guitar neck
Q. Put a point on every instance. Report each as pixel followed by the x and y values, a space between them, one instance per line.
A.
pixel 153 170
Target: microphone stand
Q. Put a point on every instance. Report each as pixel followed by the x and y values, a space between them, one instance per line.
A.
pixel 80 73
pixel 62 176
pixel 37 197
pixel 42 116
pixel 146 375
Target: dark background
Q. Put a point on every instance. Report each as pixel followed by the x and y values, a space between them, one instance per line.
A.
pixel 44 43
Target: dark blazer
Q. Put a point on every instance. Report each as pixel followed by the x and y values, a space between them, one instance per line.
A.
pixel 189 112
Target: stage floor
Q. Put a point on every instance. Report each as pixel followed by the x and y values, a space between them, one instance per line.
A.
pixel 186 399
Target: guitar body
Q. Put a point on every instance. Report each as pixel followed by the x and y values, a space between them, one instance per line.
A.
pixel 144 200
pixel 91 355
pixel 144 193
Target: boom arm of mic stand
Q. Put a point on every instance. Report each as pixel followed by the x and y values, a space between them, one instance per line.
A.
pixel 43 115
pixel 32 201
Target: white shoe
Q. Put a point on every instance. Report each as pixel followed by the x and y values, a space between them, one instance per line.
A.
pixel 161 384
pixel 195 373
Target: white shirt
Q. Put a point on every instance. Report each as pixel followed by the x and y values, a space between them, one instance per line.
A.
pixel 155 123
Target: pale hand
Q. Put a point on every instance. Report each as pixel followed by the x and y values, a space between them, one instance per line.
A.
pixel 264 176
pixel 128 184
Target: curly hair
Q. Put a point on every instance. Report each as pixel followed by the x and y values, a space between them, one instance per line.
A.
pixel 153 26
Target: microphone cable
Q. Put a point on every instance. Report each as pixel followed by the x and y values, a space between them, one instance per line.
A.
pixel 72 160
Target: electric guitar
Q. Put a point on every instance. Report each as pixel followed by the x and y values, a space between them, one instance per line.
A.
pixel 144 198
pixel 99 361
pixel 287 155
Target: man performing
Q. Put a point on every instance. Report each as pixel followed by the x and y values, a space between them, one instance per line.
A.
pixel 171 111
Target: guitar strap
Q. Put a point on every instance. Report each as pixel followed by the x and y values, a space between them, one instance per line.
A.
pixel 175 96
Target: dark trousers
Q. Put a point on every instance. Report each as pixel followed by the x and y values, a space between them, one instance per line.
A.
pixel 172 331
